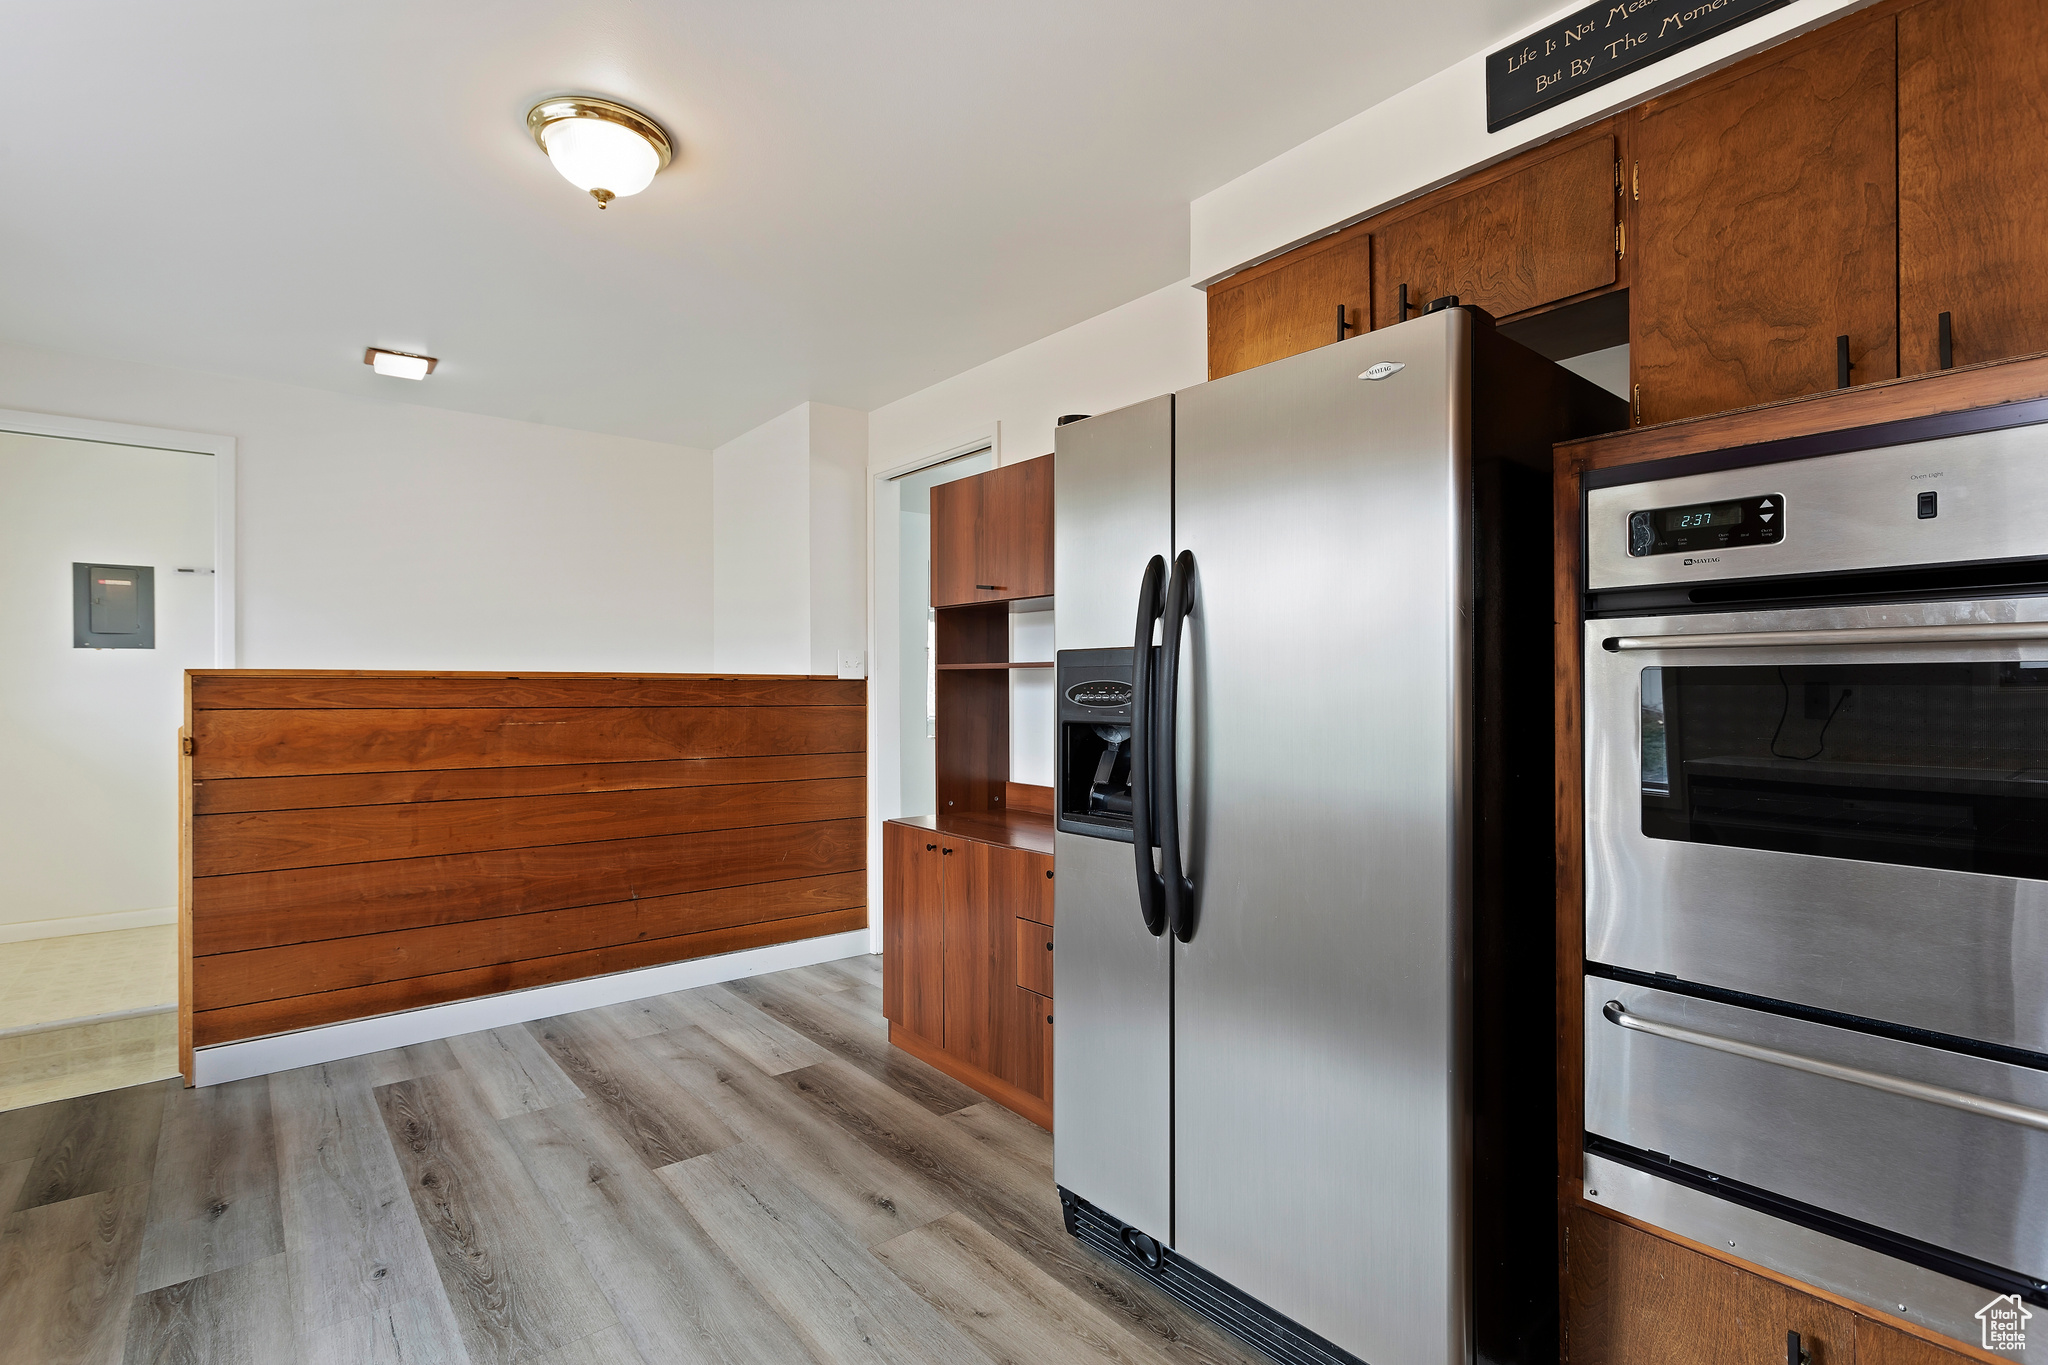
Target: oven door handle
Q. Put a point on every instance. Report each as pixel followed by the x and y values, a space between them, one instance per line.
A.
pixel 1983 632
pixel 1813 1066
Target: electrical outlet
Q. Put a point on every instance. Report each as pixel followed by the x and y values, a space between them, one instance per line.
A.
pixel 853 663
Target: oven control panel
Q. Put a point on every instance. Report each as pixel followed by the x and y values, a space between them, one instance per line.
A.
pixel 1698 526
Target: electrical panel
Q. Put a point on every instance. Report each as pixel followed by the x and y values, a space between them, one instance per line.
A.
pixel 113 606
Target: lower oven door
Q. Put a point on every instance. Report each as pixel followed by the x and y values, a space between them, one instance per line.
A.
pixel 1920 1145
pixel 1844 808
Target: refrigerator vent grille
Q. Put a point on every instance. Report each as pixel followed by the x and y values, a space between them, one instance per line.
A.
pixel 1230 1308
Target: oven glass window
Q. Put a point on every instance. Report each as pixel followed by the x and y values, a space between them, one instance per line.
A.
pixel 1927 765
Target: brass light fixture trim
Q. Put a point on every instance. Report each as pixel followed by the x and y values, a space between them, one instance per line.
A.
pixel 562 107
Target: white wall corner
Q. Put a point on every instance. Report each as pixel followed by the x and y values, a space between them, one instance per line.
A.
pixel 760 548
pixel 789 543
pixel 838 535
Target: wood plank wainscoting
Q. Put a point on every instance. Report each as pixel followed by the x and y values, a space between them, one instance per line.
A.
pixel 1632 1292
pixel 360 843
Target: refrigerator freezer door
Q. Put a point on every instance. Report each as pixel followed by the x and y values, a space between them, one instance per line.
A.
pixel 1112 509
pixel 1112 1019
pixel 1319 1066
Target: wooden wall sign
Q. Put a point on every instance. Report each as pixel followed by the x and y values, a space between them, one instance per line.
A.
pixel 1599 43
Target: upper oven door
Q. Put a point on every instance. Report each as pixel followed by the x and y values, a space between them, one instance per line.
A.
pixel 1784 804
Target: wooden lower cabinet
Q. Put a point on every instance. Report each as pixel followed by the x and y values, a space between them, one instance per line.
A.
pixel 913 931
pixel 1633 1298
pixel 951 975
pixel 1636 1299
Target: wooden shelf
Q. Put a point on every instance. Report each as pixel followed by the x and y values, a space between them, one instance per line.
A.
pixel 1046 663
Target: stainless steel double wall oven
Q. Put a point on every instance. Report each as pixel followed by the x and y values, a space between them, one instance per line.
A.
pixel 1816 1023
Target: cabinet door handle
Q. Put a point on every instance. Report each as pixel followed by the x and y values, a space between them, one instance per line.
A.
pixel 945 853
pixel 1401 304
pixel 989 587
pixel 929 847
pixel 1795 1353
pixel 1842 366
pixel 1945 341
pixel 1344 322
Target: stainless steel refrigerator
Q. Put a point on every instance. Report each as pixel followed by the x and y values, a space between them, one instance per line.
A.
pixel 1305 1035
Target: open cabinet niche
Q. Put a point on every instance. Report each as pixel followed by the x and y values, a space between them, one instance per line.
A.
pixel 991 539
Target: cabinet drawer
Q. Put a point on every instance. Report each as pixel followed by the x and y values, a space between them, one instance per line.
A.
pixel 1034 956
pixel 1816 1113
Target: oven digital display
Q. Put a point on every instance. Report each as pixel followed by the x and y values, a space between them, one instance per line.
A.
pixel 1707 526
pixel 1693 518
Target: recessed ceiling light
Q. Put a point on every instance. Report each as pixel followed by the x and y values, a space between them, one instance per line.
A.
pixel 598 146
pixel 400 364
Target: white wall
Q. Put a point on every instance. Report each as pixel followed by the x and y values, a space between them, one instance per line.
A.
pixel 369 535
pixel 89 808
pixel 789 583
pixel 761 584
pixel 1431 134
pixel 1151 345
pixel 375 535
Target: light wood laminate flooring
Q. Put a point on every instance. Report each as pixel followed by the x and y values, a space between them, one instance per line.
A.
pixel 742 1173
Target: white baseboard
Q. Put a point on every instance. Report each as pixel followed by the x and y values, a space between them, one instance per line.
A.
pixel 332 1042
pixel 23 930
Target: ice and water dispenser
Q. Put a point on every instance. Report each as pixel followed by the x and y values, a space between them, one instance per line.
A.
pixel 1095 714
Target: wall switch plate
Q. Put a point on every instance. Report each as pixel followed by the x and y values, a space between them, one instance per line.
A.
pixel 853 663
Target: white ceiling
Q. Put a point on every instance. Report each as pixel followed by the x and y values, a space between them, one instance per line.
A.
pixel 868 197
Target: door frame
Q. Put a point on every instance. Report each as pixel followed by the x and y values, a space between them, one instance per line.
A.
pixel 885 635
pixel 221 448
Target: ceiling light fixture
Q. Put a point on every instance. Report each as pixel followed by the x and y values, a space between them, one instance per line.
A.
pixel 605 148
pixel 400 364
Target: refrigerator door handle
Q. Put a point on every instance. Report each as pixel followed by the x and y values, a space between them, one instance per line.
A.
pixel 1180 891
pixel 1151 891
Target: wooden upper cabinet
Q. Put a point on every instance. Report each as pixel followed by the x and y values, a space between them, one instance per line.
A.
pixel 956 541
pixel 1767 227
pixel 992 535
pixel 1973 157
pixel 1543 232
pixel 1290 304
pixel 1016 539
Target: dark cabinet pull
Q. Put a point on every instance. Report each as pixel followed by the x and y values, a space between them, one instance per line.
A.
pixel 1842 362
pixel 1401 304
pixel 989 587
pixel 945 853
pixel 1048 874
pixel 1048 947
pixel 1796 1354
pixel 1144 713
pixel 929 847
pixel 1180 890
pixel 1946 341
pixel 1344 322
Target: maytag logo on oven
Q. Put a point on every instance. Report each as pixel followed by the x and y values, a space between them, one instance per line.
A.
pixel 1705 559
